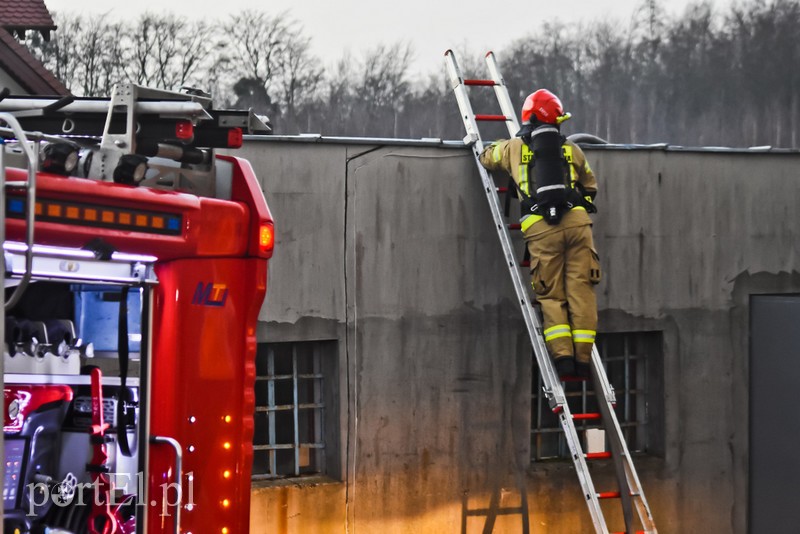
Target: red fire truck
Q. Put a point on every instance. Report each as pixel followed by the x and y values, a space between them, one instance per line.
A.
pixel 135 260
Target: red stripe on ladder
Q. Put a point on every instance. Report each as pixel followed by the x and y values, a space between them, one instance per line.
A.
pixel 500 118
pixel 479 82
pixel 608 495
pixel 598 455
pixel 584 416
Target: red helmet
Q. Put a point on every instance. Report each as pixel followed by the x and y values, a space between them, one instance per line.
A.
pixel 544 106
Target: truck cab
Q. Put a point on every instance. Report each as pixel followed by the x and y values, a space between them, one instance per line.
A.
pixel 135 261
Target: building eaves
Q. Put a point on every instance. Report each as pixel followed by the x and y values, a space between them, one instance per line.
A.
pixel 17 16
pixel 26 70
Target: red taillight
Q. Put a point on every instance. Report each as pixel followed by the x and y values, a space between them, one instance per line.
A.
pixel 235 138
pixel 266 237
pixel 184 130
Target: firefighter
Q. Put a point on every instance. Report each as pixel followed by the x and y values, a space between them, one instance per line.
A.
pixel 557 189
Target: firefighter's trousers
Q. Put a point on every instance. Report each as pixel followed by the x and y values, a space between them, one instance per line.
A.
pixel 564 270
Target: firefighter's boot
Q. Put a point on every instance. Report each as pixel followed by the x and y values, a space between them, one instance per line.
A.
pixel 558 339
pixel 583 358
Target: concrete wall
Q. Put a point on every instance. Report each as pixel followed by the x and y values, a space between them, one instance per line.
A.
pixel 389 249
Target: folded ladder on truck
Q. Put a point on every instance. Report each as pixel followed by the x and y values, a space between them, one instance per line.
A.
pixel 630 493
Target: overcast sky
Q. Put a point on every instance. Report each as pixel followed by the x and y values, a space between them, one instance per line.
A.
pixel 430 26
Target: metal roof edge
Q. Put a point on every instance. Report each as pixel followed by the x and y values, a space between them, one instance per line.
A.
pixel 445 143
pixel 323 139
pixel 665 147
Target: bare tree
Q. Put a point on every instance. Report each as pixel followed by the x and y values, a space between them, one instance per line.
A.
pixel 111 67
pixel 258 42
pixel 338 98
pixel 167 51
pixel 61 53
pixel 142 38
pixel 196 46
pixel 298 79
pixel 383 87
pixel 91 42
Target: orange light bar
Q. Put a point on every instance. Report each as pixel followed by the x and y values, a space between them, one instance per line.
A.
pixel 75 213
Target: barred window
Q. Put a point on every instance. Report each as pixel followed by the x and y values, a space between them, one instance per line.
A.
pixel 634 366
pixel 293 405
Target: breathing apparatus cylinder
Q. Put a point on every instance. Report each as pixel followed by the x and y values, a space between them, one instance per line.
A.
pixel 550 169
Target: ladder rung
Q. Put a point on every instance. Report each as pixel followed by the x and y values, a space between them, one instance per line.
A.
pixel 499 118
pixel 515 226
pixel 502 190
pixel 479 82
pixel 598 455
pixel 637 532
pixel 526 263
pixel 585 416
pixel 608 495
pixel 574 378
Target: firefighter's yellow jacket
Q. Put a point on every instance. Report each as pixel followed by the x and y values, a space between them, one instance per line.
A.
pixel 513 156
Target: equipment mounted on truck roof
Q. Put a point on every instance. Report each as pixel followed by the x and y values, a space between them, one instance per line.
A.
pixel 138 136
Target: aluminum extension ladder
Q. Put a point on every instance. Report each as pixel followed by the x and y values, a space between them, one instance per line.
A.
pixel 630 492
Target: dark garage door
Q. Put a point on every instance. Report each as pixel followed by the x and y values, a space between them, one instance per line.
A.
pixel 774 414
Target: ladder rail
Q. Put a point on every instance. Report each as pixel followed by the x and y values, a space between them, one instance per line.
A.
pixel 626 471
pixel 501 92
pixel 582 470
pixel 454 74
